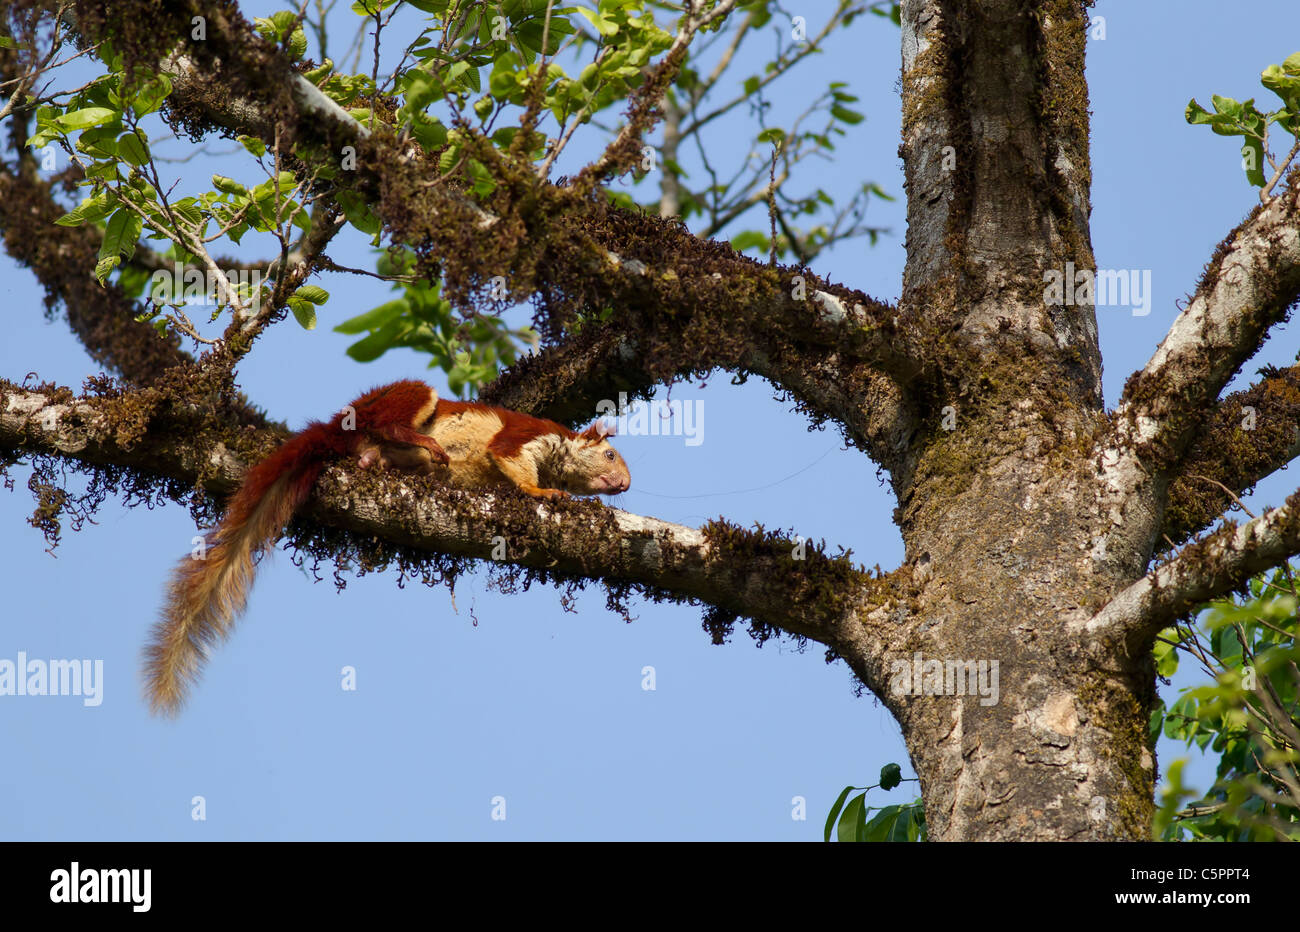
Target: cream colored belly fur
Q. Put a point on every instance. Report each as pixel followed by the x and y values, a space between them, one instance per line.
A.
pixel 465 437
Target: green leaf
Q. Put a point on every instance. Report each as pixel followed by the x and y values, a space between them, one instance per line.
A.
pixel 1225 105
pixel 853 821
pixel 253 145
pixel 1196 114
pixel 845 115
pixel 606 27
pixel 375 345
pixel 484 183
pixel 92 208
pixel 375 318
pixel 100 142
pixel 750 239
pixel 1166 654
pixel 358 212
pixel 313 293
pixel 150 96
pixel 891 775
pixel 106 171
pixel 105 265
pixel 132 280
pixel 429 133
pixel 421 90
pixel 297 48
pixel 81 119
pixel 448 158
pixel 133 148
pixel 878 191
pixel 320 72
pixel 835 811
pixel 892 823
pixel 1155 725
pixel 120 234
pixel 1252 160
pixel 502 84
pixel 304 312
pixel 299 217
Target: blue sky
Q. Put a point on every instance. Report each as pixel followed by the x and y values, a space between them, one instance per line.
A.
pixel 537 705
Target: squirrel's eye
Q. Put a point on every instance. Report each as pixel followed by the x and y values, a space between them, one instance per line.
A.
pixel 609 455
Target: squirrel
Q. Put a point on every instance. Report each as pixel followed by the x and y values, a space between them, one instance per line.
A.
pixel 403 426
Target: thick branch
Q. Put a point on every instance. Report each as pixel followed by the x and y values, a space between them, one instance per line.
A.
pixel 995 151
pixel 102 316
pixel 1247 436
pixel 763 577
pixel 805 349
pixel 725 310
pixel 1207 569
pixel 1250 284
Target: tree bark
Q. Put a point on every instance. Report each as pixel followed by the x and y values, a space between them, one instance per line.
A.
pixel 1029 514
pixel 1004 510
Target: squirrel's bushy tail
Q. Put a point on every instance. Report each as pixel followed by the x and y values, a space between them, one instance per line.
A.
pixel 209 589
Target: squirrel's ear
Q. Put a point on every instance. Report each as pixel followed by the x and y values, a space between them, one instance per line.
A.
pixel 599 430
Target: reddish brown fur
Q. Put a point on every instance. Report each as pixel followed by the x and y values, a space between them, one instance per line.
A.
pixel 389 413
pixel 390 425
pixel 516 430
pixel 207 593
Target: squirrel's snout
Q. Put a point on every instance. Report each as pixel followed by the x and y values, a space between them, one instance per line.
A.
pixel 611 484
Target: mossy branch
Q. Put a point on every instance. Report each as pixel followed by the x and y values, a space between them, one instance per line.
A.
pixel 1247 436
pixel 712 306
pixel 780 583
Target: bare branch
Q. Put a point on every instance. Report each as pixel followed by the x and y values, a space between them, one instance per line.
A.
pixel 1280 168
pixel 1207 569
pixel 782 65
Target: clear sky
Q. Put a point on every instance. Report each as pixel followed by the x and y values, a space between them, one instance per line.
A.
pixel 539 706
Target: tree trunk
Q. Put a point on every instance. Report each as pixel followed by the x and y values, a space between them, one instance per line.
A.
pixel 1003 516
pixel 1014 644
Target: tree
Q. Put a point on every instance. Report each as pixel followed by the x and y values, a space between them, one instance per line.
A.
pixel 1042 532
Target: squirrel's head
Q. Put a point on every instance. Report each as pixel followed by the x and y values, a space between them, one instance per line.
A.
pixel 601 470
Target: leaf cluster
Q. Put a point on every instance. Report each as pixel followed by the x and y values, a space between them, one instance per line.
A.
pixel 1249 714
